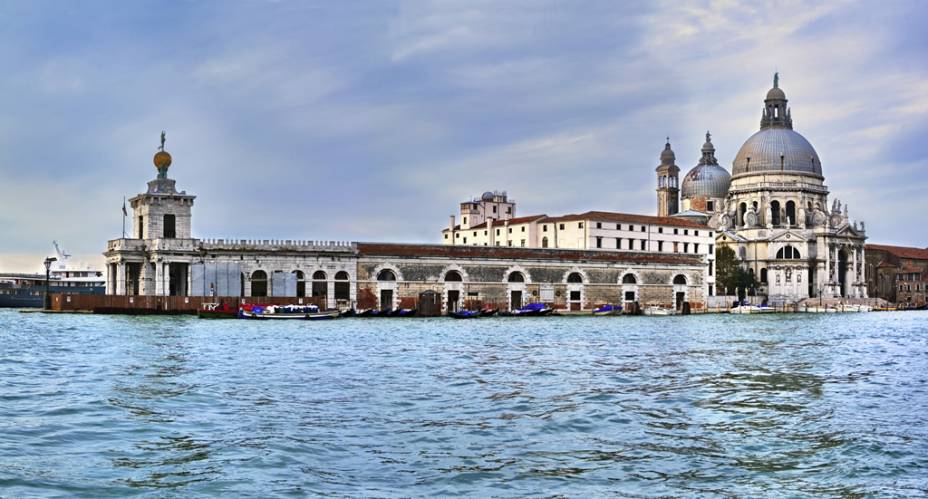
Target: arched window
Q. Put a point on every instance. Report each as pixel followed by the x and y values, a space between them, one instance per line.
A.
pixel 300 283
pixel 320 287
pixel 791 213
pixel 679 279
pixel 386 275
pixel 774 213
pixel 575 278
pixel 516 277
pixel 788 253
pixel 453 276
pixel 629 279
pixel 259 283
pixel 763 275
pixel 742 209
pixel 544 242
pixel 342 286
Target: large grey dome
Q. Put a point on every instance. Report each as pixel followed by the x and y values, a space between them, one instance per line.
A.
pixel 711 181
pixel 777 149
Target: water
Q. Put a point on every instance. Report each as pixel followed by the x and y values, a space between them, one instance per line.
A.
pixel 798 405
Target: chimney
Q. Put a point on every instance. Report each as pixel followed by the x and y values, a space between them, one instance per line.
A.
pixel 490 239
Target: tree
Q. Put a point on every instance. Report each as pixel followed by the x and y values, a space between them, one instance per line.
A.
pixel 730 275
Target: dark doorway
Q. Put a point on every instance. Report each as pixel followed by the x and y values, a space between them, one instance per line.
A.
pixel 516 298
pixel 575 300
pixel 342 286
pixel 259 283
pixel 842 271
pixel 629 296
pixel 791 214
pixel 133 276
pixel 386 299
pixel 454 297
pixel 320 285
pixel 178 279
pixel 300 283
pixel 681 298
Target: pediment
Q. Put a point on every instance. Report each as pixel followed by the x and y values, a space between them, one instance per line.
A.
pixel 730 236
pixel 788 236
pixel 848 230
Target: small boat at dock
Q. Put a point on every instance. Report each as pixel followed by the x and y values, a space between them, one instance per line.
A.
pixel 608 309
pixel 530 310
pixel 655 310
pixel 217 311
pixel 285 312
pixel 465 314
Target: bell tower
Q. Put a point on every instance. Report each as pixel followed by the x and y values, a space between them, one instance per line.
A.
pixel 668 183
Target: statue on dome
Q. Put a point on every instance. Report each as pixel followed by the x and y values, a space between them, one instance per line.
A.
pixel 162 139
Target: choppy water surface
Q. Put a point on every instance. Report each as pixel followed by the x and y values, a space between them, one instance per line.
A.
pixel 699 406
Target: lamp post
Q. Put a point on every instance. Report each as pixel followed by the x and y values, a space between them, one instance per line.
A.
pixel 48 268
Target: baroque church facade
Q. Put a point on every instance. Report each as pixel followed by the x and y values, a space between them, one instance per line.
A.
pixel 773 211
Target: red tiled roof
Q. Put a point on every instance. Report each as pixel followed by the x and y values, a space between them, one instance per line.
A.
pixel 900 251
pixel 598 216
pixel 500 223
pixel 609 216
pixel 512 253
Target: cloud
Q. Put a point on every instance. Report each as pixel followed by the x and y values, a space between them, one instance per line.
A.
pixel 373 121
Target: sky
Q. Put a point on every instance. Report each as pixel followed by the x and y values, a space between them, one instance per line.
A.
pixel 371 121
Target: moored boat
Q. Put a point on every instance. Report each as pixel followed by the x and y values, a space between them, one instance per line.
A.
pixel 217 311
pixel 465 314
pixel 489 312
pixel 655 310
pixel 530 310
pixel 608 309
pixel 277 312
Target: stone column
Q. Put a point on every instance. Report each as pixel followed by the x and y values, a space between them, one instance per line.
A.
pixel 121 278
pixel 159 278
pixel 330 293
pixel 247 290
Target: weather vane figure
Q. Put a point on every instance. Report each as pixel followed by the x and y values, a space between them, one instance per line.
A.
pixel 162 139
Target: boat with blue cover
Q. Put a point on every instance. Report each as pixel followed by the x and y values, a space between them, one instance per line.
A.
pixel 608 309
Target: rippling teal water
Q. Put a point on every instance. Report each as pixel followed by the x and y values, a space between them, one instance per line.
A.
pixel 814 405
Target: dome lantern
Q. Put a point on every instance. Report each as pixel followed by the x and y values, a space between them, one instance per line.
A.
pixel 162 159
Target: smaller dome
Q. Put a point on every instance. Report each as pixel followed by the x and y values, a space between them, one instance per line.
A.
pixel 162 159
pixel 776 93
pixel 487 196
pixel 711 181
pixel 667 155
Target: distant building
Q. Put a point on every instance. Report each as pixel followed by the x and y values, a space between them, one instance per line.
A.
pixel 601 260
pixel 898 274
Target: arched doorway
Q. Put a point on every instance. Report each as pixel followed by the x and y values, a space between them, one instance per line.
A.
pixel 679 291
pixel 320 286
pixel 575 291
pixel 629 288
pixel 453 284
pixel 516 288
pixel 387 285
pixel 842 271
pixel 342 288
pixel 300 283
pixel 259 283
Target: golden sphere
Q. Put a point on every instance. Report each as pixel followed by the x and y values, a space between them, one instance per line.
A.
pixel 162 159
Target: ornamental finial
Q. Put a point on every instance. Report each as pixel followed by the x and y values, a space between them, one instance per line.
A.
pixel 708 136
pixel 776 80
pixel 162 139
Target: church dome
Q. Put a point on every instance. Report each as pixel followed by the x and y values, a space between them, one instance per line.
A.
pixel 711 181
pixel 707 179
pixel 777 149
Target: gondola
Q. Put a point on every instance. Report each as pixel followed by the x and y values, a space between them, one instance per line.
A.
pixel 465 314
pixel 403 312
pixel 489 312
pixel 530 310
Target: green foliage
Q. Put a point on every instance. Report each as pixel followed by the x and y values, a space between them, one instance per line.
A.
pixel 730 276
